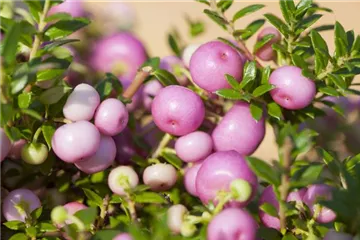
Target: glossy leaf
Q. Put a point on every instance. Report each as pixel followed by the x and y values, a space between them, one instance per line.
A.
pixel 24 100
pixel 224 4
pixel 302 7
pixel 256 111
pixel 262 89
pixel 277 23
pixel 341 42
pixel 306 23
pixel 264 170
pixel 93 196
pixel 166 78
pixel 64 28
pixel 287 9
pixel 259 44
pixel 252 28
pixel 48 131
pixel 172 159
pixel 247 10
pixel 232 81
pixel 229 94
pixel 249 74
pixel 265 75
pixel 149 197
pixel 14 225
pixel 216 18
pixel 329 91
pixel 337 80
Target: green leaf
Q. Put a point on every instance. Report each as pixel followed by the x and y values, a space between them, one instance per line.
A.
pixel 58 43
pixel 289 236
pixel 87 216
pixel 216 18
pixel 106 86
pixel 36 213
pixel 48 131
pixel 224 5
pixel 49 74
pixel 166 78
pixel 299 61
pixel 268 233
pixel 196 28
pixel 256 111
pixel 321 51
pixel 277 23
pixel 31 231
pixel 19 236
pixel 152 62
pixel 58 16
pixel 262 89
pixel 24 99
pixel 306 23
pixel 274 110
pixel 149 197
pixel 229 94
pixel 32 113
pixel 46 227
pixel 356 46
pixel 308 176
pixel 105 234
pixel 53 95
pixel 247 10
pixel 269 209
pixel 174 45
pixel 265 74
pixel 264 170
pixel 64 28
pixel 21 77
pixel 232 81
pixel 15 225
pixel 262 42
pixel 172 159
pixel 115 199
pixel 10 43
pixel 324 27
pixel 341 42
pixel 337 80
pixel 287 9
pixel 302 7
pixel 329 91
pixel 252 28
pixel 94 197
pixel 249 74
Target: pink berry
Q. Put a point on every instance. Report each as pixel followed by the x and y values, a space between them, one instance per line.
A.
pixel 160 177
pixel 315 193
pixel 194 146
pixel 72 7
pixel 190 178
pixel 125 148
pixel 175 217
pixel 76 141
pixel 334 235
pixel 123 236
pixel 82 103
pixel 210 63
pixel 177 110
pixel 102 159
pixel 15 151
pixel 111 117
pixel 239 131
pixel 232 224
pixel 121 179
pixel 188 52
pixel 18 204
pixel 151 89
pixel 218 171
pixel 173 64
pixel 5 145
pixel 266 53
pixel 293 91
pixel 121 53
pixel 72 208
pixel 297 196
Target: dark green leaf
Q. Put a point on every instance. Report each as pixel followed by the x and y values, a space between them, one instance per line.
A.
pixel 105 234
pixel 247 10
pixel 324 28
pixel 329 91
pixel 94 197
pixel 14 225
pixel 24 100
pixel 306 23
pixel 32 113
pixel 262 89
pixel 64 28
pixel 249 74
pixel 149 197
pixel 174 45
pixel 21 77
pixel 268 233
pixel 240 32
pixel 256 111
pixel 10 43
pixel 166 78
pixel 350 35
pixel 224 5
pixel 58 43
pixel 337 80
pixel 46 227
pixel 287 9
pixel 356 46
pixel 232 81
pixel 19 236
pixel 36 213
pixel 58 16
pixel 279 48
pixel 216 18
pixel 252 28
pixel 172 159
pixel 87 216
pixel 302 7
pixel 330 161
pixel 53 95
pixel 259 44
pixel 308 176
pixel 321 51
pixel 269 209
pixel 152 62
pixel 48 132
pixel 299 61
pixel 104 88
pixel 341 42
pixel 265 75
pixel 264 170
pixel 229 94
pixel 277 23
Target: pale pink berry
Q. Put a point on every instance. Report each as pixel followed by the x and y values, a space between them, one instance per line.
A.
pixel 160 177
pixel 82 103
pixel 151 89
pixel 123 236
pixel 292 90
pixel 15 151
pixel 266 53
pixel 111 117
pixel 190 178
pixel 188 52
pixel 102 159
pixel 72 208
pixel 175 217
pixel 74 142
pixel 177 110
pixel 334 235
pixel 239 131
pixel 122 179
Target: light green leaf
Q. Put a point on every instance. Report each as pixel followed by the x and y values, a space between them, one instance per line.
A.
pixel 229 94
pixel 216 18
pixel 262 89
pixel 149 197
pixel 53 95
pixel 48 132
pixel 232 81
pixel 249 74
pixel 337 80
pixel 274 110
pixel 262 42
pixel 93 196
pixel 252 28
pixel 247 10
pixel 24 99
pixel 256 111
pixel 264 170
pixel 277 23
pixel 269 209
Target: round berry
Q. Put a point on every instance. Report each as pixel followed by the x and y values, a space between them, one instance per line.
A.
pixel 292 90
pixel 18 204
pixel 177 110
pixel 151 89
pixel 102 159
pixel 160 177
pixel 268 196
pixel 297 196
pixel 334 235
pixel 266 52
pixel 121 179
pixel 218 171
pixel 174 64
pixel 210 63
pixel 315 193
pixel 75 141
pixel 111 117
pixel 5 145
pixel 190 178
pixel 123 236
pixel 82 103
pixel 34 153
pixel 188 52
pixel 232 224
pixel 15 151
pixel 175 217
pixel 72 7
pixel 72 208
pixel 59 215
pixel 194 146
pixel 239 131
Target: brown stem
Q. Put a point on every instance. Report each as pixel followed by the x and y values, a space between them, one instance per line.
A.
pixel 139 79
pixel 285 181
pixel 231 29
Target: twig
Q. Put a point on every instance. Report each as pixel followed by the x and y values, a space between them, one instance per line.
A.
pixel 164 141
pixel 103 212
pixel 139 79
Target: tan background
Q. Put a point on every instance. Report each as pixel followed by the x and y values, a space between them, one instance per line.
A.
pixel 156 18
